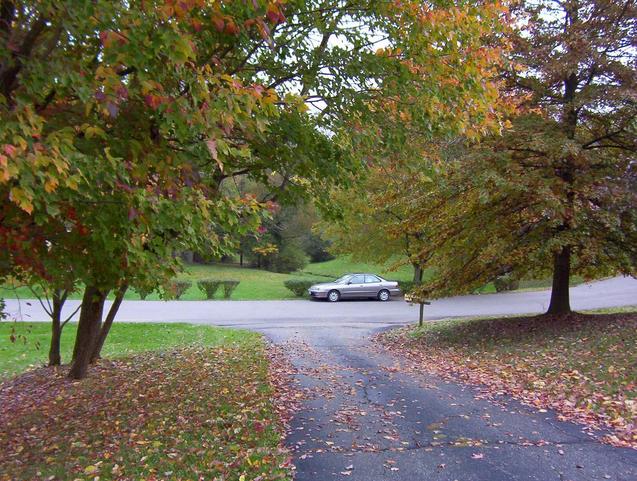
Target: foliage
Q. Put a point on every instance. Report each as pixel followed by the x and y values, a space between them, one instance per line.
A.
pixel 191 412
pixel 299 286
pixel 228 288
pixel 208 287
pixel 582 365
pixel 176 288
pixel 290 258
pixel 506 282
pixel 406 286
pixel 555 193
pixel 317 248
pixel 143 292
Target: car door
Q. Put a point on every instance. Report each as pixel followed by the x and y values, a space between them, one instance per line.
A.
pixel 355 287
pixel 372 285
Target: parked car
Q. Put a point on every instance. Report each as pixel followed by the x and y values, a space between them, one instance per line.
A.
pixel 355 286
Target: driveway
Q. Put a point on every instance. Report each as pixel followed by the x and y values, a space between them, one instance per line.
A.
pixel 365 419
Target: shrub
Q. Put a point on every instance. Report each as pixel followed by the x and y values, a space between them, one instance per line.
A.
pixel 289 259
pixel 228 288
pixel 177 288
pixel 299 286
pixel 208 287
pixel 142 292
pixel 506 283
pixel 406 286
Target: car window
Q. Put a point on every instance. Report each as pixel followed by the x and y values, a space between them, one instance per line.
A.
pixel 371 279
pixel 341 280
pixel 357 279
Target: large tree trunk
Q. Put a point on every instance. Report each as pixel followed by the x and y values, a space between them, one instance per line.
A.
pixel 560 298
pixel 87 330
pixel 55 358
pixel 108 322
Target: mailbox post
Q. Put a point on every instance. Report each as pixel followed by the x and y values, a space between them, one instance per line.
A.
pixel 421 303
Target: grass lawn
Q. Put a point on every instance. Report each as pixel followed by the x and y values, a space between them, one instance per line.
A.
pixel 31 346
pixel 582 366
pixel 197 403
pixel 342 265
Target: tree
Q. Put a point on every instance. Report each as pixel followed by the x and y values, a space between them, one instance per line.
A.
pixel 122 120
pixel 556 193
pixel 115 151
pixel 373 226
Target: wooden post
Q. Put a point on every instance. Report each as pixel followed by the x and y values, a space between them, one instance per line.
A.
pixel 422 311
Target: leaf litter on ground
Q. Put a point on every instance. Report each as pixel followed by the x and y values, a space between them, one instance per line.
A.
pixel 582 366
pixel 191 413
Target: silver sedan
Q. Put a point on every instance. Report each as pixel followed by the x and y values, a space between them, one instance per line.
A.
pixel 352 286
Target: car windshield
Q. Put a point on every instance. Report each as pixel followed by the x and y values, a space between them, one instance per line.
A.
pixel 342 280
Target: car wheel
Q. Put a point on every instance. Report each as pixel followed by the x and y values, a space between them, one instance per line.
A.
pixel 383 295
pixel 333 296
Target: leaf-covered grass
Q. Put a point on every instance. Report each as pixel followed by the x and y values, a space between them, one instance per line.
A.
pixel 584 365
pixel 30 348
pixel 181 414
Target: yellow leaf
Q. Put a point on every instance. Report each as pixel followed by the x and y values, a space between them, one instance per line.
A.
pixel 50 185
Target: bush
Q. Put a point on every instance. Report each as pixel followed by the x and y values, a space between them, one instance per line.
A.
pixel 406 286
pixel 506 283
pixel 228 288
pixel 209 287
pixel 289 259
pixel 299 286
pixel 177 288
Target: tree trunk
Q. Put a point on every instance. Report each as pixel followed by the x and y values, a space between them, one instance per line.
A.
pixel 560 298
pixel 108 322
pixel 55 359
pixel 417 274
pixel 87 330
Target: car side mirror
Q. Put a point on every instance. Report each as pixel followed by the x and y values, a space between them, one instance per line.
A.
pixel 349 282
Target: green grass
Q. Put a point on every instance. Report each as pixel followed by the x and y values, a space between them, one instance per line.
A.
pixel 582 365
pixel 206 411
pixel 30 348
pixel 343 265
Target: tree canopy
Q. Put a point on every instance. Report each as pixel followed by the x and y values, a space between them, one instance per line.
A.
pixel 556 192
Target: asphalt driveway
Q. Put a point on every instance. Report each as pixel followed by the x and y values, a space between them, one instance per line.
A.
pixel 365 419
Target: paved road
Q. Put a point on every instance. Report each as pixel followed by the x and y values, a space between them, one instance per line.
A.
pixel 618 291
pixel 367 419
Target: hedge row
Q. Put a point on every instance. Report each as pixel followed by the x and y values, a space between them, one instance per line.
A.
pixel 209 287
